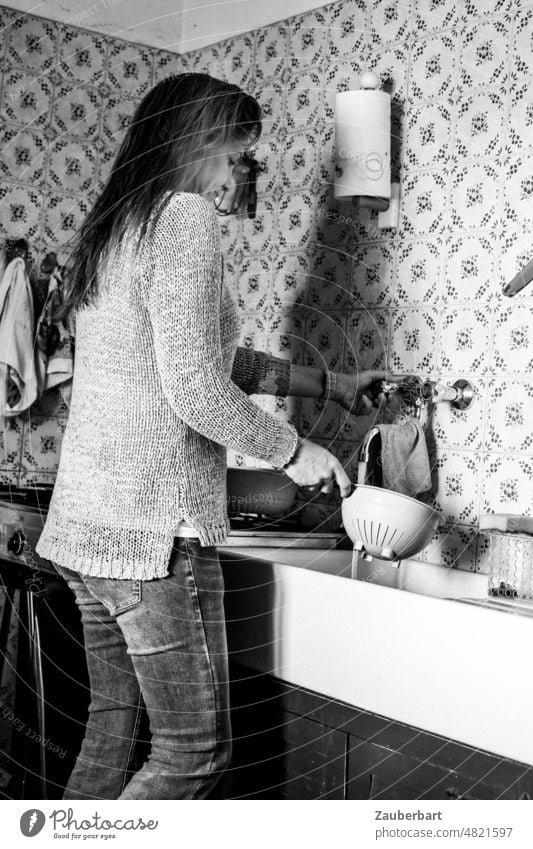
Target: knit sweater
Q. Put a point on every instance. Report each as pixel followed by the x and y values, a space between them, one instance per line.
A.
pixel 154 405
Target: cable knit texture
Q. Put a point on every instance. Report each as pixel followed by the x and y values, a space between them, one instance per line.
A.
pixel 154 405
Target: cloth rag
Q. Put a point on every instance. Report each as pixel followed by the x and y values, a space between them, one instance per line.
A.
pixel 56 369
pixel 404 457
pixel 19 386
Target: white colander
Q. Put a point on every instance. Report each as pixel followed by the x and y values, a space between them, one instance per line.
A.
pixel 386 524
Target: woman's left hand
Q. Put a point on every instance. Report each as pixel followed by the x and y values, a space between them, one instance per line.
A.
pixel 361 393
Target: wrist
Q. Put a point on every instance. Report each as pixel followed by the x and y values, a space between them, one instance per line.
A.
pixel 299 443
pixel 331 386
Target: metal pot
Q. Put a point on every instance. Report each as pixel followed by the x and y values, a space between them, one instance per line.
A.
pixel 265 491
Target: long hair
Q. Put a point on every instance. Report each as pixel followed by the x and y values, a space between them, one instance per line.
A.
pixel 173 128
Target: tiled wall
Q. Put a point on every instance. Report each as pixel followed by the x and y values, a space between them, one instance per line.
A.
pixel 425 298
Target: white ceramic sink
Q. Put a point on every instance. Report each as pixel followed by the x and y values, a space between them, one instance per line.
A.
pixel 429 649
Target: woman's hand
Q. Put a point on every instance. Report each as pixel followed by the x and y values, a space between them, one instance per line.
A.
pixel 318 469
pixel 361 393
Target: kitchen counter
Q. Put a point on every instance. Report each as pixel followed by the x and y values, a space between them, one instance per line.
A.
pixel 435 654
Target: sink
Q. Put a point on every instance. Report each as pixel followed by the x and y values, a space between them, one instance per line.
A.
pixel 421 644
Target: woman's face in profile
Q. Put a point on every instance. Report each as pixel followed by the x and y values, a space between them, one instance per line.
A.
pixel 216 172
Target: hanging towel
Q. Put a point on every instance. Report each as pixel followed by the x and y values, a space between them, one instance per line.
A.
pixel 56 366
pixel 18 372
pixel 404 457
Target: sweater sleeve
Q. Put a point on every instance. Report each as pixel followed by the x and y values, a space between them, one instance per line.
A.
pixel 257 372
pixel 182 294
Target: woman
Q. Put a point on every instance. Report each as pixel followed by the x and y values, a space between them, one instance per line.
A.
pixel 160 390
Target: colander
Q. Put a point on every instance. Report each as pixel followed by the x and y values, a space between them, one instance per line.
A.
pixel 386 524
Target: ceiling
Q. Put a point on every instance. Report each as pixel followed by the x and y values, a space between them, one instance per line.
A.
pixel 176 25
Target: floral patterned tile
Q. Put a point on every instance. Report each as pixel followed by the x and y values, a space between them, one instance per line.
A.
pixel 267 152
pixel 423 203
pixel 10 443
pixel 431 15
pixel 388 21
pixel 347 32
pixel 367 336
pixel 236 57
pixel 520 121
pixel 230 234
pixel 252 283
pixel 324 340
pixel 286 335
pixel 428 132
pixel 41 445
pixel 76 110
pixel 295 220
pixel 106 159
pixel 483 8
pixel 62 217
pixel 299 156
pixel 456 486
pixel 72 166
pixel 254 331
pixel 518 190
pixel 258 233
pixel 455 547
pixel 129 68
pixel 290 281
pixel 24 156
pixel 522 44
pixel 325 155
pixel 474 196
pixel 270 96
pixel 506 484
pixel 307 36
pixel 459 429
pixel 26 99
pixel 33 43
pixel 166 64
pixel 271 52
pixel 433 67
pixel 413 341
pixel 479 130
pixel 82 55
pixel 20 212
pixel 465 336
pixel 329 279
pixel 469 268
pixel 391 67
pixel 419 271
pixel 117 114
pixel 484 54
pixel 286 409
pixel 509 424
pixel 336 221
pixel 373 275
pixel 513 339
pixel 340 75
pixel 303 101
pixel 318 419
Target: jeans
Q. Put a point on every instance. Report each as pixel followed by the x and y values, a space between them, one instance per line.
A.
pixel 159 644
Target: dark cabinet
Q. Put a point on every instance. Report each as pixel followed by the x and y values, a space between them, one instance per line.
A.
pixel 291 743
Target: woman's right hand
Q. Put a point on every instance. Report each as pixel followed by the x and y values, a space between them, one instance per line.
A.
pixel 317 468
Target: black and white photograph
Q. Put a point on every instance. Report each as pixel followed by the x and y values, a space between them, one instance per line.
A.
pixel 266 402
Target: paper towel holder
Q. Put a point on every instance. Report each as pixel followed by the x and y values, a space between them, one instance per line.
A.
pixel 387 205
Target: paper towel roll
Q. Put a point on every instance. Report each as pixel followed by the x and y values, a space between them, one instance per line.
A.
pixel 362 143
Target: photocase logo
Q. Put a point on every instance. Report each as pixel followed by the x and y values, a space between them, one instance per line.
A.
pixel 32 822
